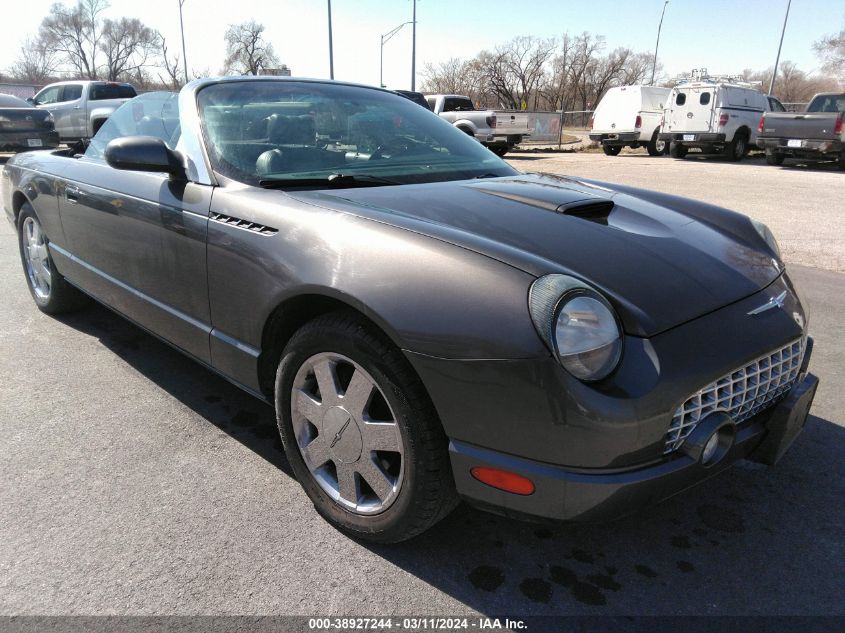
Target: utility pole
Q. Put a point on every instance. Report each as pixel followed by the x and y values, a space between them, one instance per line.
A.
pixel 385 38
pixel 777 59
pixel 414 50
pixel 331 50
pixel 657 44
pixel 182 29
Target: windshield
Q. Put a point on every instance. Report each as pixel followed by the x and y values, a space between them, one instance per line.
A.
pixel 261 131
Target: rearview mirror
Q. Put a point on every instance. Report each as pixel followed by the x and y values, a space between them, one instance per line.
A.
pixel 144 153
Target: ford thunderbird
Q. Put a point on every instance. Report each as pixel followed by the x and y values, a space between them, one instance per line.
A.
pixel 429 323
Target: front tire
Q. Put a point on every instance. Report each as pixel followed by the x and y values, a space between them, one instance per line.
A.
pixel 50 291
pixel 676 150
pixel 774 158
pixel 360 431
pixel 737 148
pixel 655 146
pixel 611 150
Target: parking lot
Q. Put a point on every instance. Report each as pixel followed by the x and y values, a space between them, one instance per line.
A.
pixel 136 482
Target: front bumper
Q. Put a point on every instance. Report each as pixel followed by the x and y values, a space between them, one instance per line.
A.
pixel 581 495
pixel 614 138
pixel 12 141
pixel 807 149
pixel 693 139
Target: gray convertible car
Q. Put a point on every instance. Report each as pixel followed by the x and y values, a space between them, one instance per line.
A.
pixel 429 323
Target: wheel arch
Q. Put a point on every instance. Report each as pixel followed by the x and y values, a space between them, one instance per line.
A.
pixel 18 200
pixel 294 311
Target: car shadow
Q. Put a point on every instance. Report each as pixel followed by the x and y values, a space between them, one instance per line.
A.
pixel 752 540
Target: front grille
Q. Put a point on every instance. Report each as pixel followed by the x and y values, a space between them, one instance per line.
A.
pixel 742 393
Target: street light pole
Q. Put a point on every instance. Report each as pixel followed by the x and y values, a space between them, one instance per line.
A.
pixel 385 38
pixel 182 29
pixel 331 50
pixel 657 44
pixel 777 59
pixel 414 51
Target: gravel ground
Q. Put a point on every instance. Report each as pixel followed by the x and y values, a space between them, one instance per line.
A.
pixel 136 482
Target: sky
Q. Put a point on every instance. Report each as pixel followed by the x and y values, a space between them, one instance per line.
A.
pixel 724 36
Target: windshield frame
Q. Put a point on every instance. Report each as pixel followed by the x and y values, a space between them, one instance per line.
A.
pixel 482 165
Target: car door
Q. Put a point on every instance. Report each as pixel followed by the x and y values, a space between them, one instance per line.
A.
pixel 66 110
pixel 139 239
pixel 47 100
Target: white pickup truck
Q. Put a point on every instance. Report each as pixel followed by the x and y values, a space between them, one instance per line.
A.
pixel 499 131
pixel 81 107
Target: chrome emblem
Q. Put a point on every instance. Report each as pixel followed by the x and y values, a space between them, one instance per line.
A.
pixel 774 302
pixel 339 434
pixel 689 115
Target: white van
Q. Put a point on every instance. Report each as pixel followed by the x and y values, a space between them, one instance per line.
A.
pixel 714 116
pixel 629 116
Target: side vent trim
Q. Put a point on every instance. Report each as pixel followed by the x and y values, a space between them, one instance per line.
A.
pixel 243 224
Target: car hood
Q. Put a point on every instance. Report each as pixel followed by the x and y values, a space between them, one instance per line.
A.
pixel 661 264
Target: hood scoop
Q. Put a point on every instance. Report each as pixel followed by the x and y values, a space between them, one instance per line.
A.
pixel 592 210
pixel 563 200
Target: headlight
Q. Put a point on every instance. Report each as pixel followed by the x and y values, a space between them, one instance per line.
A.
pixel 767 236
pixel 578 324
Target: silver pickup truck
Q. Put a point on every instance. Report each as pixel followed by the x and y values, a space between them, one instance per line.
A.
pixel 816 133
pixel 81 107
pixel 498 131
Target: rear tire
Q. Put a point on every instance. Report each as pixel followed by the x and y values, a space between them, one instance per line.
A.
pixel 321 362
pixel 50 291
pixel 676 150
pixel 655 146
pixel 738 147
pixel 774 158
pixel 611 150
pixel 500 150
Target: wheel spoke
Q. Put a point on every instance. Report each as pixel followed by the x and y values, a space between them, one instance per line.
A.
pixel 375 477
pixel 381 436
pixel 326 376
pixel 358 393
pixel 347 486
pixel 316 453
pixel 309 408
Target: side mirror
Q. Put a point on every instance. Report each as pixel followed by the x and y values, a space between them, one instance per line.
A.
pixel 32 100
pixel 145 153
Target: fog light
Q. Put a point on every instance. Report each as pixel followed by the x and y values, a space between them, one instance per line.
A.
pixel 710 448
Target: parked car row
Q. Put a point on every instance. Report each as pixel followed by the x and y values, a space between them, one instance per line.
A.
pixel 61 112
pixel 720 118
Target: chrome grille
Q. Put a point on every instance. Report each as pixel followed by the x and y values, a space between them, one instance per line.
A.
pixel 742 393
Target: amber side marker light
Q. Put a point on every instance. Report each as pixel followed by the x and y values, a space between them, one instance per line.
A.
pixel 503 480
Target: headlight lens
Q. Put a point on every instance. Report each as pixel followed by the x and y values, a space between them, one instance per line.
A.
pixel 587 337
pixel 767 236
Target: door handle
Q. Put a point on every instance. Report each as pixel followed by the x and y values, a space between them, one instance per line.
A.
pixel 72 194
pixel 77 107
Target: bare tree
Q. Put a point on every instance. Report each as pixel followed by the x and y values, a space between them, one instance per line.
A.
pixel 173 72
pixel 831 50
pixel 246 51
pixel 74 34
pixel 127 45
pixel 36 63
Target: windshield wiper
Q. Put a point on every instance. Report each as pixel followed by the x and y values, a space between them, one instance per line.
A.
pixel 333 180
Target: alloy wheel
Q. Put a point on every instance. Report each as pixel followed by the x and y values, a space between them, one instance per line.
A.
pixel 37 258
pixel 347 433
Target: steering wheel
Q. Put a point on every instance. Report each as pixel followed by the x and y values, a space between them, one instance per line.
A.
pixel 400 144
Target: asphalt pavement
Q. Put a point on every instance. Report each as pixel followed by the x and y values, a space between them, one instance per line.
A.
pixel 133 481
